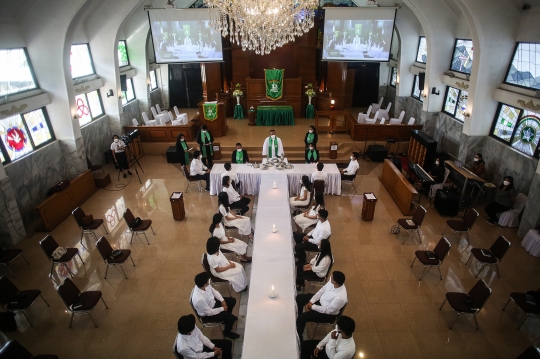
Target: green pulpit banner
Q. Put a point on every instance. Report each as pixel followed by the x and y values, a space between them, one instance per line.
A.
pixel 210 111
pixel 274 83
pixel 238 112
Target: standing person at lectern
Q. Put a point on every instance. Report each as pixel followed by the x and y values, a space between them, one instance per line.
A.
pixel 205 141
pixel 239 155
pixel 272 146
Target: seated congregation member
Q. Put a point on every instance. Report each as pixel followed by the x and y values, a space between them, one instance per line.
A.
pixel 232 175
pixel 338 344
pixel 316 268
pixel 349 172
pixel 479 166
pixel 504 200
pixel 309 217
pixel 319 174
pixel 311 240
pixel 229 219
pixel 205 141
pixel 235 200
pixel 217 229
pixel 323 306
pixel 311 137
pixel 211 306
pixel 223 268
pixel 198 170
pixel 192 344
pixel 303 198
pixel 239 155
pixel 312 154
pixel 182 149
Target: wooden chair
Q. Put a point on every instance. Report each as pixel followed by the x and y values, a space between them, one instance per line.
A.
pixel 142 227
pixel 49 245
pixel 71 294
pixel 215 280
pixel 7 255
pixel 440 252
pixel 491 256
pixel 105 249
pixel 468 303
pixel 417 218
pixel 14 300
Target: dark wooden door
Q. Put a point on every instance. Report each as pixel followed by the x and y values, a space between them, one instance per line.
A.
pixel 185 85
pixel 366 83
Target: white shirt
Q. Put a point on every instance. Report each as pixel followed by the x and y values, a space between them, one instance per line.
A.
pixel 332 299
pixel 204 301
pixel 321 231
pixel 119 146
pixel 197 167
pixel 352 168
pixel 319 175
pixel 321 269
pixel 191 346
pixel 232 175
pixel 338 348
pixel 233 195
pixel 265 147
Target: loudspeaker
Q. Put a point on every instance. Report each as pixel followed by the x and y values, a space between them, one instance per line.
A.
pixel 172 155
pixel 123 83
pixel 377 153
pixel 396 161
pixel 421 80
pixel 446 202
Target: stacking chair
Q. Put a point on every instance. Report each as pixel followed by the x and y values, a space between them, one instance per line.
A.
pixel 312 252
pixel 417 218
pixel 385 112
pixel 532 309
pixel 437 186
pixel 70 295
pixel 14 349
pixel 362 116
pixel 440 252
pixel 7 255
pixel 510 218
pixel 318 281
pixel 147 121
pixel 205 324
pixel 159 110
pixel 215 280
pixel 351 182
pixel 464 225
pixel 14 300
pixel 91 227
pixel 105 249
pixel 491 256
pixel 181 118
pixel 134 121
pixel 468 303
pixel 154 112
pixel 397 121
pixel 371 121
pixel 329 325
pixel 49 245
pixel 129 218
pixel 191 179
pixel 411 121
pixel 93 168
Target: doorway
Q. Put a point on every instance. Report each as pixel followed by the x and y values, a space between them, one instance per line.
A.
pixel 185 85
pixel 366 83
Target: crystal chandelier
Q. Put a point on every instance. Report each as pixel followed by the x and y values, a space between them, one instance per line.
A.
pixel 262 25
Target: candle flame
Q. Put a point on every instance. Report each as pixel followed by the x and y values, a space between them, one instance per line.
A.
pixel 272 287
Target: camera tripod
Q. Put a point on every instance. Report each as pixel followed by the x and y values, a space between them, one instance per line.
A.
pixel 134 167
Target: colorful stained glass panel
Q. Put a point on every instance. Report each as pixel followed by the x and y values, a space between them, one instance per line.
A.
pixel 506 121
pixel 463 56
pixel 37 126
pixel 81 61
pixel 129 94
pixel 15 72
pixel 527 133
pixel 393 79
pixel 123 59
pixel 462 105
pixel 82 110
pixel 15 137
pixel 416 93
pixel 451 100
pixel 525 68
pixel 153 80
pixel 2 158
pixel 95 104
pixel 421 55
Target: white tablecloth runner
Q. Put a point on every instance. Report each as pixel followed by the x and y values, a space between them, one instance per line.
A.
pixel 531 242
pixel 271 322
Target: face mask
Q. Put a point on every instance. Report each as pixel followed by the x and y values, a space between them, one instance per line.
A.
pixel 310 131
pixel 437 163
pixel 182 139
pixel 311 148
pixel 200 157
pixel 476 160
pixel 273 136
pixel 351 158
pixel 239 149
pixel 116 140
pixel 506 183
pixel 203 131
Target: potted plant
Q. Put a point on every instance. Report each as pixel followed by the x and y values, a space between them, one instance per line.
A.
pixel 310 92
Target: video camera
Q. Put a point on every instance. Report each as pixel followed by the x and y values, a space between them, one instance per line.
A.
pixel 129 137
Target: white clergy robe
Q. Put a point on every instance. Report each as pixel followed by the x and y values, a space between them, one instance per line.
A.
pixel 272 155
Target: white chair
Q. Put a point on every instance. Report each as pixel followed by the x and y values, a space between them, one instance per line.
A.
pixel 510 218
pixel 154 112
pixel 363 116
pixel 385 112
pixel 383 121
pixel 380 101
pixel 159 110
pixel 371 121
pixel 147 121
pixel 397 121
pixel 377 106
pixel 411 121
pixel 433 189
pixel 135 123
pixel 181 118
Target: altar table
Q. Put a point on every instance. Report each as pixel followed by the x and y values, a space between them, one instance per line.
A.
pixel 275 115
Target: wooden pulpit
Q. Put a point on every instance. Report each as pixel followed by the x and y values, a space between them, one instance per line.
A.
pixel 217 127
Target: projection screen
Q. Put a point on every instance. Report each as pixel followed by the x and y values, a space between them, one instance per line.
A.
pixel 358 34
pixel 184 35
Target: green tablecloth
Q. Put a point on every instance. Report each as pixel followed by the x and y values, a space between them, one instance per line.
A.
pixel 310 111
pixel 274 115
pixel 238 112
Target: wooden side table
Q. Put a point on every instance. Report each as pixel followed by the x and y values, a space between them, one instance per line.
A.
pixel 177 205
pixel 368 206
pixel 252 116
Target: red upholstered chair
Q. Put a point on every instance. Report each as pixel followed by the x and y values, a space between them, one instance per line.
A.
pixel 49 245
pixel 140 228
pixel 79 215
pixel 417 218
pixel 14 300
pixel 71 295
pixel 463 226
pixel 491 256
pixel 215 280
pixel 105 249
pixel 439 252
pixel 527 302
pixel 7 255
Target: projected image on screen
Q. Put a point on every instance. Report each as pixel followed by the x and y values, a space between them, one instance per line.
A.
pixel 177 39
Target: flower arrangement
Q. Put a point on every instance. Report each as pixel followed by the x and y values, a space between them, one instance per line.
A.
pixel 310 92
pixel 252 109
pixel 238 92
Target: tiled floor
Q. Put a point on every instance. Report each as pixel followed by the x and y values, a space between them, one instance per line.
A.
pixel 396 315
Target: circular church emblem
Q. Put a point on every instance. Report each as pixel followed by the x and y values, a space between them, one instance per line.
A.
pixel 528 134
pixel 15 139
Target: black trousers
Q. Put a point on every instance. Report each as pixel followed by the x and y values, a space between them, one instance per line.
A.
pixel 302 275
pixel 226 317
pixel 121 160
pixel 310 316
pixel 242 205
pixel 224 345
pixel 308 347
pixel 205 177
pixel 208 160
pixel 345 177
pixel 301 247
pixel 493 208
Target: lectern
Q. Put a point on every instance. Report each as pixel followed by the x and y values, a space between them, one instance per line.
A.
pixel 368 207
pixel 217 127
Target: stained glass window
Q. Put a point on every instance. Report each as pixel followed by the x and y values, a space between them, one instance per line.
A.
pixel 15 137
pixel 416 92
pixel 463 56
pixel 15 72
pixel 129 95
pixel 393 78
pixel 153 80
pixel 81 61
pixel 89 107
pixel 455 103
pixel 2 158
pixel 123 59
pixel 506 121
pixel 421 55
pixel 37 126
pixel 94 101
pixel 82 110
pixel 527 134
pixel 524 70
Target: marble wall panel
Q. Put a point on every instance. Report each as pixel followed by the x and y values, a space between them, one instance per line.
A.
pixel 131 111
pixel 447 133
pixel 12 229
pixel 469 146
pixel 155 97
pixel 73 152
pixel 97 137
pixel 429 119
pixel 391 97
pixel 531 213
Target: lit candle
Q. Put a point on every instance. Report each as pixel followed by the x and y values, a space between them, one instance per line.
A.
pixel 273 292
pixel 275 184
pixel 273 228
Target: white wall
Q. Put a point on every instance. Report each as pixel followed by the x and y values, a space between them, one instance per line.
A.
pixel 10 35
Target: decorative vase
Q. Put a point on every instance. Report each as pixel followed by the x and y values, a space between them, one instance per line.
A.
pixel 309 100
pixel 238 100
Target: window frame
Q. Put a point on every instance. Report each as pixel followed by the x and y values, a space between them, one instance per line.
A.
pixel 455 109
pixel 31 72
pixel 155 76
pixel 510 66
pixel 391 75
pixel 412 91
pixel 34 147
pixel 92 118
pixel 128 81
pixel 91 61
pixel 127 54
pixel 453 52
pixel 418 50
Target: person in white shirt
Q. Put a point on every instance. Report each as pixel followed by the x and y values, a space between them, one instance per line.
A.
pixel 232 175
pixel 309 217
pixel 319 175
pixel 243 223
pixel 118 149
pixel 323 306
pixel 235 200
pixel 272 146
pixel 303 198
pixel 211 306
pixel 349 172
pixel 223 268
pixel 318 267
pixel 311 240
pixel 192 344
pixel 217 229
pixel 198 170
pixel 338 344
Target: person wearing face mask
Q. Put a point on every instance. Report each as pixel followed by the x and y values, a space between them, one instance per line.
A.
pixel 318 267
pixel 182 149
pixel 205 141
pixel 311 137
pixel 311 240
pixel 303 198
pixel 192 344
pixel 437 171
pixel 198 170
pixel 312 154
pixel 479 166
pixel 504 200
pixel 239 155
pixel 338 344
pixel 272 146
pixel 235 200
pixel 118 149
pixel 349 172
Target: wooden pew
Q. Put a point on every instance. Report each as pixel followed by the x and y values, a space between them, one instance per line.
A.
pixel 359 131
pixel 165 133
pixel 398 186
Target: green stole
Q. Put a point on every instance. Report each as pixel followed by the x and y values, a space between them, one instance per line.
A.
pixel 240 157
pixel 310 137
pixel 186 153
pixel 272 142
pixel 312 154
pixel 203 147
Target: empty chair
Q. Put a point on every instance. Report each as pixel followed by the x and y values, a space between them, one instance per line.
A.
pixel 134 121
pixel 215 280
pixel 414 223
pixel 159 110
pixel 385 112
pixel 411 121
pixel 192 179
pixel 510 218
pixel 113 258
pixel 171 116
pixel 433 258
pixel 526 302
pixel 154 111
pixel 93 168
pixel 397 121
pixel 181 118
pixel 363 116
pixel 468 303
pixel 463 226
pixel 383 121
pixel 49 245
pixel 381 101
pixel 7 255
pixel 147 121
pixel 14 349
pixel 137 228
pixel 491 256
pixel 372 121
pixel 78 302
pixel 437 186
pixel 14 300
pixel 87 224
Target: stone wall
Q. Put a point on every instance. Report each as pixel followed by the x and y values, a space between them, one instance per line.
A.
pixel 12 228
pixel 411 106
pixel 447 132
pixel 155 97
pixel 131 111
pixel 391 97
pixel 97 139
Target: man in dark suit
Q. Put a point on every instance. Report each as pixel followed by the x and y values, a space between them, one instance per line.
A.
pixel 239 155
